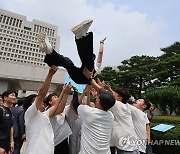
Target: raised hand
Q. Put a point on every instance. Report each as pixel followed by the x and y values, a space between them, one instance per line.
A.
pixel 99 82
pixel 74 88
pixel 102 41
pixel 107 86
pixel 53 70
pixel 87 73
pixel 87 89
pixel 67 89
pixel 93 92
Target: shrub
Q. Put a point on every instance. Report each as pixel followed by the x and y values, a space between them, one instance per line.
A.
pixel 171 136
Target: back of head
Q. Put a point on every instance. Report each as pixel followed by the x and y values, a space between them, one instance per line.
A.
pixel 28 101
pixel 45 101
pixel 107 99
pixel 7 93
pixel 124 93
pixel 20 101
pixel 147 103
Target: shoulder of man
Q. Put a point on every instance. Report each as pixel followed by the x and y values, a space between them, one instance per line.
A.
pixel 2 111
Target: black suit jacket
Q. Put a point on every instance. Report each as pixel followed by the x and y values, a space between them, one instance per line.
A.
pixel 18 124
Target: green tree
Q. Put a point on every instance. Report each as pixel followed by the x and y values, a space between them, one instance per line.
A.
pixel 110 76
pixel 167 70
pixel 165 98
pixel 135 73
pixel 140 73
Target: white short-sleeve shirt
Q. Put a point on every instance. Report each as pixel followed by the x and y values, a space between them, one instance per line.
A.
pixel 39 132
pixel 140 121
pixel 123 134
pixel 96 130
pixel 60 127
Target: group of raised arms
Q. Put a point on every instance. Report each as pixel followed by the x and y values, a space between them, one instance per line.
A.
pixel 98 121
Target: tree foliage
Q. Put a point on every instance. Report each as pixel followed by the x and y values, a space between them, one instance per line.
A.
pixel 168 67
pixel 165 98
pixel 140 73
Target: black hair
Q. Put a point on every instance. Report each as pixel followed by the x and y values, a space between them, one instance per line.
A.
pixel 147 103
pixel 7 93
pixel 20 101
pixel 45 101
pixel 28 101
pixel 49 97
pixel 130 101
pixel 124 93
pixel 107 99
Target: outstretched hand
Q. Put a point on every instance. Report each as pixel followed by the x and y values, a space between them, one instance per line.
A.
pixel 67 89
pixel 93 92
pixel 108 87
pixel 87 89
pixel 53 70
pixel 74 88
pixel 87 73
pixel 100 83
pixel 102 41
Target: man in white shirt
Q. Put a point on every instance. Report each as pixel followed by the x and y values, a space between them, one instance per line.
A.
pixel 96 122
pixel 60 126
pixel 39 131
pixel 123 134
pixel 141 123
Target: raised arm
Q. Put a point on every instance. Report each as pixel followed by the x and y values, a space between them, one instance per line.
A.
pixel 101 50
pixel 44 89
pixel 108 87
pixel 89 76
pixel 88 102
pixel 84 93
pixel 61 102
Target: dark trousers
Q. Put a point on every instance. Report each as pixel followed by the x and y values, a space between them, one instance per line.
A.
pixel 148 149
pixel 85 51
pixel 113 150
pixel 5 144
pixel 62 148
pixel 18 142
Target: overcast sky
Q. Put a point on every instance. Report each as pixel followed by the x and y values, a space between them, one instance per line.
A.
pixel 132 27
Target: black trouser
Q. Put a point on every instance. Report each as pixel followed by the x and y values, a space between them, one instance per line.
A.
pixel 113 150
pixel 85 51
pixel 5 144
pixel 18 142
pixel 62 148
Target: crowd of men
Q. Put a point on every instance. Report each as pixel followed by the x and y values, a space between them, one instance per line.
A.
pixel 98 121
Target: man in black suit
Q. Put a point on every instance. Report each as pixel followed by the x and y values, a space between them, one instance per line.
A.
pixel 18 125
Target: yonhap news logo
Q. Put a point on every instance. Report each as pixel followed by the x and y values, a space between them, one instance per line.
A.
pixel 125 142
